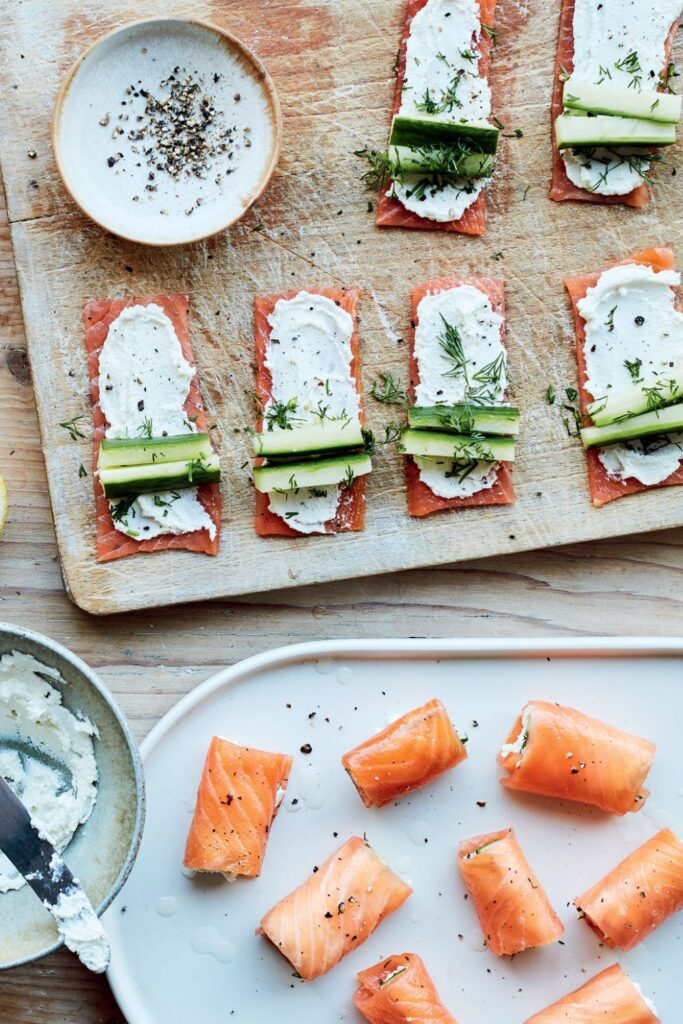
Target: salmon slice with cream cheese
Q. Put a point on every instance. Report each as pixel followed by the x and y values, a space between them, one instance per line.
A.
pixel 98 316
pixel 350 515
pixel 561 187
pixel 422 500
pixel 513 910
pixel 604 488
pixel 408 754
pixel 239 794
pixel 559 752
pixel 398 990
pixel 608 998
pixel 391 213
pixel 638 895
pixel 335 910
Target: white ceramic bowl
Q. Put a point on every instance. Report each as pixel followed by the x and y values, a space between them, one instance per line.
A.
pixel 104 849
pixel 116 179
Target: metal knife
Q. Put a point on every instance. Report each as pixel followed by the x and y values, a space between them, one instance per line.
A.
pixel 50 878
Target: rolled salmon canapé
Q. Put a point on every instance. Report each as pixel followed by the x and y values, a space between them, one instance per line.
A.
pixel 641 893
pixel 335 910
pixel 399 990
pixel 408 754
pixel 559 752
pixel 239 794
pixel 513 909
pixel 608 998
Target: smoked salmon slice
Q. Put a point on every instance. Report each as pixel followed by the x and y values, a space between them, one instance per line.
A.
pixel 390 212
pixel 604 488
pixel 639 895
pixel 561 187
pixel 399 990
pixel 513 909
pixel 98 316
pixel 335 910
pixel 408 754
pixel 608 998
pixel 559 752
pixel 350 515
pixel 239 794
pixel 422 500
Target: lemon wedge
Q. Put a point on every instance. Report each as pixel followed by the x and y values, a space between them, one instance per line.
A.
pixel 3 504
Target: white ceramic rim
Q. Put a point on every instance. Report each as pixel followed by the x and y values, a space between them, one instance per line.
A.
pixel 268 86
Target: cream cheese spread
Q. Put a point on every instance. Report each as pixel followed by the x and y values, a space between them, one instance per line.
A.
pixel 620 43
pixel 47 754
pixel 633 332
pixel 144 383
pixel 442 64
pixel 309 357
pixel 468 310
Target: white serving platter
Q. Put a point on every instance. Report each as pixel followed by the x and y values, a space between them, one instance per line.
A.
pixel 184 949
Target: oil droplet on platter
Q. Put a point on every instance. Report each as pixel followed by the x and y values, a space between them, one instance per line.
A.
pixel 166 906
pixel 403 865
pixel 418 832
pixel 324 666
pixel 477 941
pixel 209 942
pixel 344 676
pixel 414 917
pixel 310 788
pixel 187 872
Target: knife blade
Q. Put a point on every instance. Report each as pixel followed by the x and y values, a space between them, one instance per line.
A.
pixel 50 878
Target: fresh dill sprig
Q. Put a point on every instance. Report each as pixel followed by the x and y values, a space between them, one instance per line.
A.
pixel 634 368
pixel 392 434
pixel 70 426
pixel 146 428
pixel 452 347
pixel 385 390
pixel 281 414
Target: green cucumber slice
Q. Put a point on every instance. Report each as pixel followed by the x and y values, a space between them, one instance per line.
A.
pixel 601 130
pixel 328 435
pixel 666 389
pixel 446 161
pixel 430 130
pixel 660 422
pixel 292 476
pixel 610 99
pixel 465 419
pixel 458 447
pixel 124 481
pixel 138 451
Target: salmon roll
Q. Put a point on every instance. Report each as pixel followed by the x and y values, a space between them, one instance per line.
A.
pixel 513 910
pixel 639 895
pixel 239 794
pixel 399 990
pixel 408 754
pixel 559 752
pixel 335 910
pixel 608 998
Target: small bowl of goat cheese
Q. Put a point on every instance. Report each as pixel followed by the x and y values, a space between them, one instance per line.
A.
pixel 66 751
pixel 166 131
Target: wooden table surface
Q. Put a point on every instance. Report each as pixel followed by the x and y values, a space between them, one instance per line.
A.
pixel 628 586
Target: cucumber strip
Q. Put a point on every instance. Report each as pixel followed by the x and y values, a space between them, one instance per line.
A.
pixel 466 418
pixel 328 435
pixel 124 481
pixel 458 447
pixel 636 398
pixel 292 476
pixel 430 130
pixel 660 422
pixel 609 99
pixel 611 131
pixel 142 451
pixel 446 161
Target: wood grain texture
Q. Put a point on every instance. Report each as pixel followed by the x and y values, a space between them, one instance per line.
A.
pixel 312 228
pixel 627 586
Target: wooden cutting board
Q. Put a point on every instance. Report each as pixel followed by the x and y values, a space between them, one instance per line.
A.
pixel 332 63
